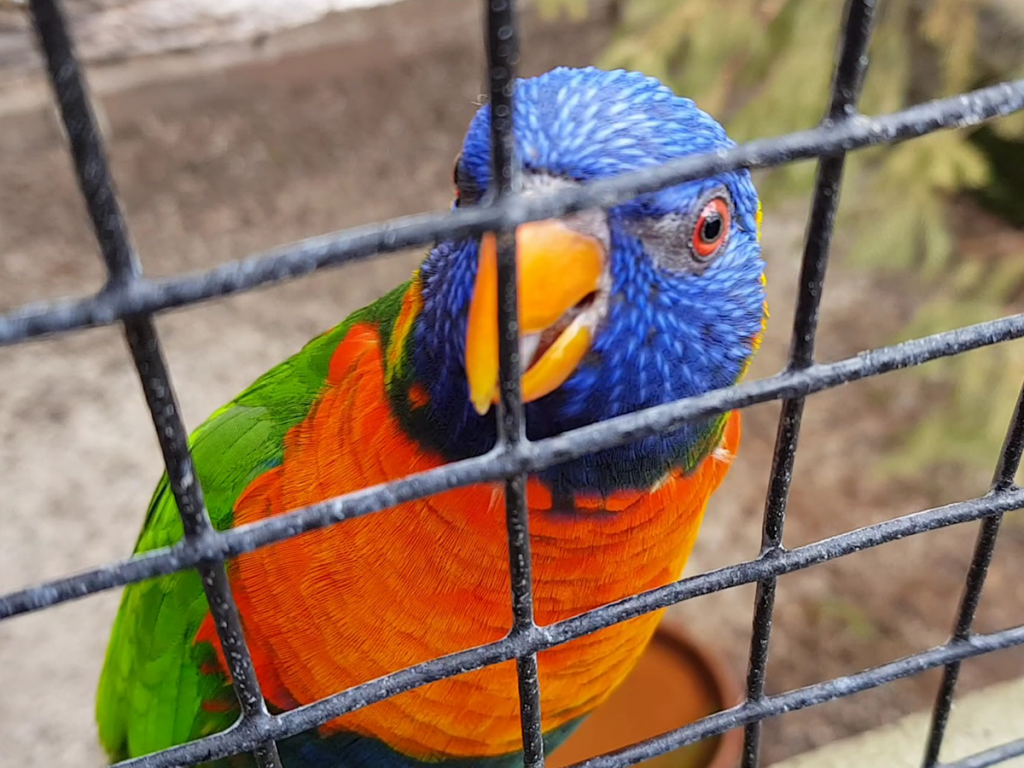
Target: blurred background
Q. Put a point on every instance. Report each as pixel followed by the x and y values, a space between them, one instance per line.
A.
pixel 236 128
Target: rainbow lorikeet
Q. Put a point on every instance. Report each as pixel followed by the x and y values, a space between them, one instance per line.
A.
pixel 656 299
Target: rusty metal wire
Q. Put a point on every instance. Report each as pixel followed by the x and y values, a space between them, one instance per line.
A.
pixel 131 299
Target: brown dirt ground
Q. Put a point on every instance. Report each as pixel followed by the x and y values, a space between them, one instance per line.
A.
pixel 241 159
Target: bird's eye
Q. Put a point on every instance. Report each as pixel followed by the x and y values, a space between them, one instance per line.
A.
pixel 466 190
pixel 712 228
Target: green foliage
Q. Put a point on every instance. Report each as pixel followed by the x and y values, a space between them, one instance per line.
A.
pixel 1006 157
pixel 574 9
pixel 763 67
pixel 982 385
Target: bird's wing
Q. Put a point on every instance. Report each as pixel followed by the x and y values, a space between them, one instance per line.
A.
pixel 158 687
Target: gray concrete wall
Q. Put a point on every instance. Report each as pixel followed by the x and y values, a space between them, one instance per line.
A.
pixel 117 29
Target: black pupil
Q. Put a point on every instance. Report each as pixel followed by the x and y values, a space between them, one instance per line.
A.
pixel 712 227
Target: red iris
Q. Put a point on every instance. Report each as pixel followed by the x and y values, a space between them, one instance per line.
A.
pixel 712 228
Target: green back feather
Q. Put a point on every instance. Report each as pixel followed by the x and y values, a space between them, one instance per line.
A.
pixel 151 690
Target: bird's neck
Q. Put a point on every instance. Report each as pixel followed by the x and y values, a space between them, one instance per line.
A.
pixel 427 388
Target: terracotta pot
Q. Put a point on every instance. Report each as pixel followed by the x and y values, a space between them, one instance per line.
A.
pixel 676 681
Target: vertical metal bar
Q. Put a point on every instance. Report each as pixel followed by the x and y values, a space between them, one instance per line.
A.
pixel 502 59
pixel 847 82
pixel 1002 480
pixel 1013 448
pixel 96 185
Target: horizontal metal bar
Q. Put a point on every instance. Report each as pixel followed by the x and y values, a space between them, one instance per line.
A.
pixel 989 757
pixel 306 256
pixel 811 695
pixel 526 457
pixel 236 740
pixel 539 639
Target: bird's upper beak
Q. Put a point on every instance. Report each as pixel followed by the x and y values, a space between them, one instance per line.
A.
pixel 558 269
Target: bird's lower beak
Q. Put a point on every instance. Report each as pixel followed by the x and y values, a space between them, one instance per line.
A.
pixel 559 271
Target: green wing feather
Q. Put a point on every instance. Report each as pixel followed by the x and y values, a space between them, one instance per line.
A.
pixel 152 688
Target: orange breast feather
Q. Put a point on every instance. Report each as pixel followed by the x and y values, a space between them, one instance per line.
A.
pixel 341 606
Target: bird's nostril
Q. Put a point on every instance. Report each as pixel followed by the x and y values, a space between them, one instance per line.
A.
pixel 586 301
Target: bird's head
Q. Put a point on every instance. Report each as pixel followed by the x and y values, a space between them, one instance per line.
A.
pixel 656 299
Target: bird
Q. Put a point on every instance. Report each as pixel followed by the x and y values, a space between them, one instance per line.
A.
pixel 649 301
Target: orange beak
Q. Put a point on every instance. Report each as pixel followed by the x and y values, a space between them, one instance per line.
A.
pixel 557 268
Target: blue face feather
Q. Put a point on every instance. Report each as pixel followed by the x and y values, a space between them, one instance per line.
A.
pixel 676 324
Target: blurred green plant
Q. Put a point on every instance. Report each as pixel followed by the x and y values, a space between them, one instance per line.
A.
pixel 986 382
pixel 574 9
pixel 839 614
pixel 763 67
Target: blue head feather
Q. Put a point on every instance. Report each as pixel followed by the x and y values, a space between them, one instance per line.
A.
pixel 669 333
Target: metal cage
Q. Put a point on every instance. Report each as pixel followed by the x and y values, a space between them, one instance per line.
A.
pixel 130 298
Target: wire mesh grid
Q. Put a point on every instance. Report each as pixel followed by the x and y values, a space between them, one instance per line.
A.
pixel 130 298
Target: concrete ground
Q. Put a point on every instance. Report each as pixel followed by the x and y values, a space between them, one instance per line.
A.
pixel 215 164
pixel 981 720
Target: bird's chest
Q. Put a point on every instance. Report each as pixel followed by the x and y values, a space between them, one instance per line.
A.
pixel 346 604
